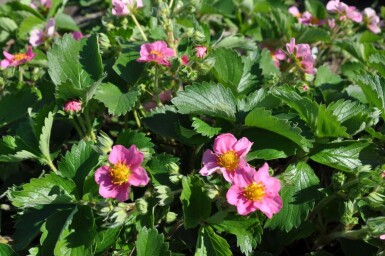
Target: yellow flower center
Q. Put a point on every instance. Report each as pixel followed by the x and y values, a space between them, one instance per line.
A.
pixel 20 56
pixel 254 192
pixel 228 160
pixel 119 173
pixel 155 52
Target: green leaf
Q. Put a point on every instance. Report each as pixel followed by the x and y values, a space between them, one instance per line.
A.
pixel 247 230
pixel 28 225
pixel 126 65
pixel 326 76
pixel 263 119
pixel 106 238
pixel 204 128
pixel 373 88
pixel 159 168
pixel 228 68
pixel 206 99
pixel 28 24
pixel 194 197
pixel 45 135
pixel 378 61
pixel 150 243
pixel 234 42
pixel 76 65
pixel 65 21
pixel 211 244
pixel 299 192
pixel 316 8
pixel 117 103
pixel 267 64
pixel 361 51
pixel 261 98
pixel 7 24
pixel 24 98
pixel 6 250
pixel 345 156
pixel 78 163
pixel 307 34
pixel 78 234
pixel 49 189
pixel 328 124
pixel 143 143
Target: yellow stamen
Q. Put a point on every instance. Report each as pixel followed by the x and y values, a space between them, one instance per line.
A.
pixel 155 52
pixel 254 192
pixel 20 56
pixel 119 173
pixel 228 160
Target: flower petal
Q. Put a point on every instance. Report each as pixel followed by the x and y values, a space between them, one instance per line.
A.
pixel 210 165
pixel 234 194
pixel 101 174
pixel 138 177
pixel 224 143
pixel 123 192
pixel 242 147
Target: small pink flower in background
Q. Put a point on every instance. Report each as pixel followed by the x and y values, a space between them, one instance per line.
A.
pixel 252 190
pixel 125 171
pixel 372 20
pixel 156 52
pixel 305 87
pixel 150 105
pixel 302 54
pixel 229 154
pixel 201 51
pixel 72 106
pixel 165 96
pixel 45 3
pixel 306 18
pixel 38 36
pixel 77 35
pixel 345 11
pixel 331 23
pixel 184 59
pixel 123 7
pixel 382 237
pixel 277 56
pixel 17 59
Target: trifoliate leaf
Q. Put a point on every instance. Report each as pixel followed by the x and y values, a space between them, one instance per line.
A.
pixel 299 192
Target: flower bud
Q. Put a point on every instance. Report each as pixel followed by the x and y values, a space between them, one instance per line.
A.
pixel 165 195
pixel 72 106
pixel 142 206
pixel 171 217
pixel 173 168
pixel 199 36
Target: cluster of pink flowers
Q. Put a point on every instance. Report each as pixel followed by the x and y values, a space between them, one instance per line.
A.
pixel 301 53
pixel 14 60
pixel 125 7
pixel 73 106
pixel 344 11
pixel 156 52
pixel 250 189
pixel 125 171
pixel 306 18
pixel 39 36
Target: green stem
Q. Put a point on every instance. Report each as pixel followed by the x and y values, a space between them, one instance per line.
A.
pixel 137 119
pixel 21 74
pixel 82 125
pixel 51 165
pixel 89 124
pixel 139 27
pixel 77 128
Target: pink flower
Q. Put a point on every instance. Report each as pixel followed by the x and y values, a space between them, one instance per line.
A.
pixel 124 7
pixel 17 59
pixel 331 23
pixel 252 190
pixel 305 87
pixel 372 20
pixel 201 51
pixel 157 52
pixel 229 155
pixel 73 106
pixel 77 35
pixel 277 56
pixel 302 54
pixel 125 170
pixel 184 59
pixel 306 18
pixel 45 3
pixel 38 36
pixel 150 105
pixel 382 237
pixel 345 11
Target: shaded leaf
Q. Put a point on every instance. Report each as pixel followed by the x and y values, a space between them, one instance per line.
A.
pixel 150 243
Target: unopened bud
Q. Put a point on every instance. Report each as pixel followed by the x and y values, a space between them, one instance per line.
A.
pixel 171 217
pixel 141 205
